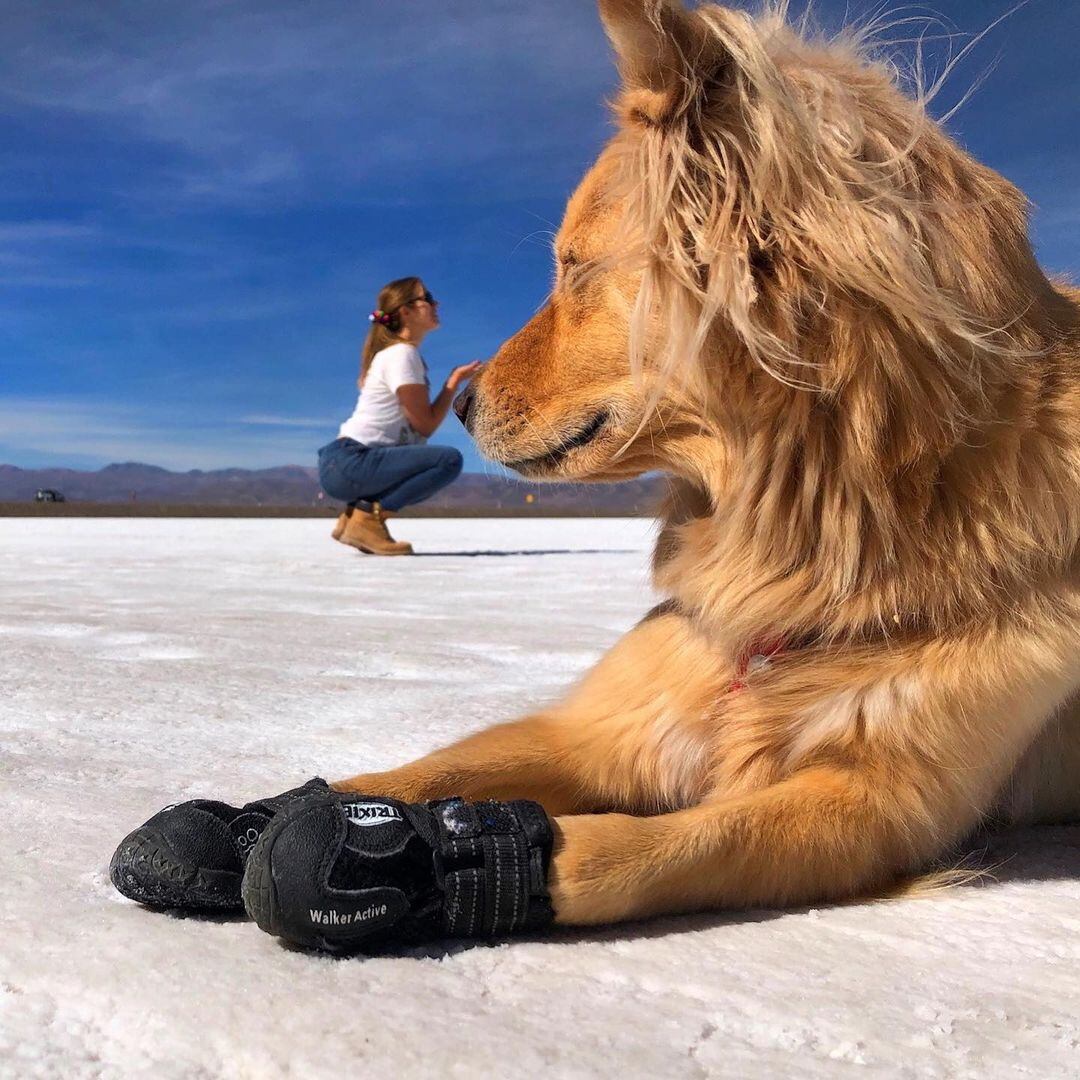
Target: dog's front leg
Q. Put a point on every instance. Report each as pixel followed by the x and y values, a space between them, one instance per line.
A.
pixel 827 834
pixel 817 836
pixel 880 764
pixel 631 736
pixel 527 759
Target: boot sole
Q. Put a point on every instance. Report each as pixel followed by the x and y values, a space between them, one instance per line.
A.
pixel 145 869
pixel 367 550
pixel 257 890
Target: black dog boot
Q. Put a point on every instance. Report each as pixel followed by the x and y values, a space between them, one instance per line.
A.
pixel 191 855
pixel 349 872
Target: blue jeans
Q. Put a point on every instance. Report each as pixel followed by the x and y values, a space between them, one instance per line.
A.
pixel 392 476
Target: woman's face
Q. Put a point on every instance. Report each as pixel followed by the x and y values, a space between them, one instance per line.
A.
pixel 421 313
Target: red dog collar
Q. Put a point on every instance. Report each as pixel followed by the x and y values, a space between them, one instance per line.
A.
pixel 755 657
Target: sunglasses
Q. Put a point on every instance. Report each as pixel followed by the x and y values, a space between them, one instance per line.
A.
pixel 427 298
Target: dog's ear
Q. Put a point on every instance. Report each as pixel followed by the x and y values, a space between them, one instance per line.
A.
pixel 659 46
pixel 653 40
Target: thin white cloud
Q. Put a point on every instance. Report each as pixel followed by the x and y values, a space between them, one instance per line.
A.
pixel 26 253
pixel 266 98
pixel 14 233
pixel 1057 216
pixel 99 432
pixel 60 253
pixel 320 422
pixel 34 280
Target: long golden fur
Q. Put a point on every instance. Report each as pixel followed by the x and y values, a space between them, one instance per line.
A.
pixel 789 289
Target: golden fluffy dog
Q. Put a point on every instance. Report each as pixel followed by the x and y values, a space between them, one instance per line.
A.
pixel 786 287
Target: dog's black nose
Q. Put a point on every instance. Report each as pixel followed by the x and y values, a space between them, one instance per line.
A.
pixel 463 405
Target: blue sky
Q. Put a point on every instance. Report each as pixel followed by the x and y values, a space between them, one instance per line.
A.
pixel 199 201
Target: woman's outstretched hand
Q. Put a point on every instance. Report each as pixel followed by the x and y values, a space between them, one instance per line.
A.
pixel 424 416
pixel 461 375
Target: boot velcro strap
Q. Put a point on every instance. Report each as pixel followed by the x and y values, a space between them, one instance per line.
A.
pixel 494 862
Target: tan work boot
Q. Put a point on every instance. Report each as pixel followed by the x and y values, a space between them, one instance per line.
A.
pixel 367 531
pixel 342 521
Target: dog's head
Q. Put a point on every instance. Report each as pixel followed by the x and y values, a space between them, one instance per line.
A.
pixel 773 218
pixel 558 400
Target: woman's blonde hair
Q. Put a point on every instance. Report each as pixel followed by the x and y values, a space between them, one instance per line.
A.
pixel 385 324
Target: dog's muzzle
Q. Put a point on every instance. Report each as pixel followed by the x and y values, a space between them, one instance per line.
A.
pixel 463 406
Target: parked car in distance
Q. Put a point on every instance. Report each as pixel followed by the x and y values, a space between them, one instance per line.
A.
pixel 48 495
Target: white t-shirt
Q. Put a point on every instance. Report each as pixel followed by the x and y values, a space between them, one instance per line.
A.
pixel 378 419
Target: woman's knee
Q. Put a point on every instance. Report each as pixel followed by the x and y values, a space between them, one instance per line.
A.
pixel 452 462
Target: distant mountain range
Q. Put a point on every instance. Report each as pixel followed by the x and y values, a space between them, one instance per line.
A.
pixel 297 486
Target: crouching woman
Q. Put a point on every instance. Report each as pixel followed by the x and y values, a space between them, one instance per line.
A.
pixel 379 464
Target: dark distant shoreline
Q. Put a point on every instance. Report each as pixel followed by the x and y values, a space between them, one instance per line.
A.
pixel 133 489
pixel 180 510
